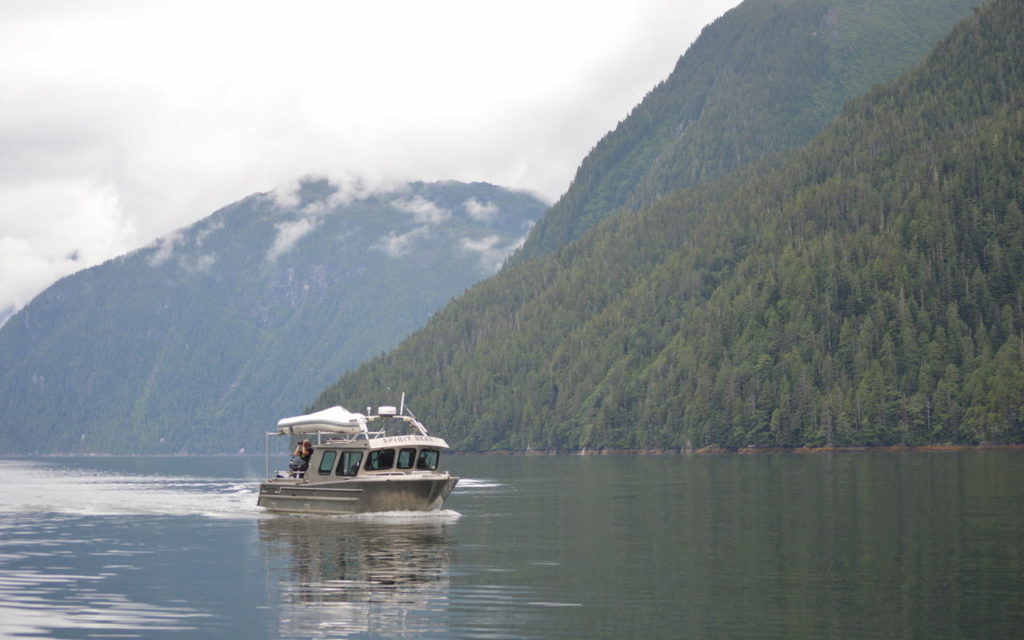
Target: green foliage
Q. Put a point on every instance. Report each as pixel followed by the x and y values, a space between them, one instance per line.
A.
pixel 864 290
pixel 765 77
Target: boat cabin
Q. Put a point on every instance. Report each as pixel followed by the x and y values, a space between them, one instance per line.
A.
pixel 386 455
pixel 363 452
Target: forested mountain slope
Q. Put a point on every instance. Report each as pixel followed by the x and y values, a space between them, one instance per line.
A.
pixel 867 289
pixel 199 342
pixel 765 77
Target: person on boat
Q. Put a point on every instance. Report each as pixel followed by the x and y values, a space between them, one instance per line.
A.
pixel 300 457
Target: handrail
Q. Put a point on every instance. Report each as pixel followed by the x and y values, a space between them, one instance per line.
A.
pixel 404 414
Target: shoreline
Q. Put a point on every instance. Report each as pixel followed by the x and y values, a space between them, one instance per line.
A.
pixel 683 451
pixel 743 450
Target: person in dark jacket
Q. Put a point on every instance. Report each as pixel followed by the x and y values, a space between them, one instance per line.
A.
pixel 300 457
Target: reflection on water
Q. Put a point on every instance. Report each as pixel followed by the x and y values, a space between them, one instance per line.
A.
pixel 779 547
pixel 58 575
pixel 129 548
pixel 770 546
pixel 385 574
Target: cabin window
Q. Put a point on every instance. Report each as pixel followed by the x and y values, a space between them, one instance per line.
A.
pixel 380 459
pixel 327 461
pixel 428 459
pixel 406 457
pixel 349 465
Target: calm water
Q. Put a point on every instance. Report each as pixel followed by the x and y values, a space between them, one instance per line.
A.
pixel 879 545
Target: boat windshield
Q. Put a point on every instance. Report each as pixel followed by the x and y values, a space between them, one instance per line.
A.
pixel 385 459
pixel 406 457
pixel 428 459
pixel 380 460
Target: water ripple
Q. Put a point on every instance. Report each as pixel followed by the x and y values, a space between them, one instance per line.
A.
pixel 49 488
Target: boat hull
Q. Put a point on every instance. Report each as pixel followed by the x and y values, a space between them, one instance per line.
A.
pixel 363 495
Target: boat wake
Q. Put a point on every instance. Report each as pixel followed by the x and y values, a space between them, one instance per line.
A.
pixel 43 487
pixel 472 484
pixel 403 517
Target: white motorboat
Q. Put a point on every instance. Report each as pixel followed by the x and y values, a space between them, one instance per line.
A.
pixel 354 469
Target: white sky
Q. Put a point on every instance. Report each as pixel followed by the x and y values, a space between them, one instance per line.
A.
pixel 121 121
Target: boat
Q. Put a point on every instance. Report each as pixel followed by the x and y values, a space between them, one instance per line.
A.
pixel 361 463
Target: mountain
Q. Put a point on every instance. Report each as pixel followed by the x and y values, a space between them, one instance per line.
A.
pixel 200 341
pixel 863 290
pixel 765 77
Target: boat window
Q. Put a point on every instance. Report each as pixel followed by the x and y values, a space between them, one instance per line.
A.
pixel 349 465
pixel 327 461
pixel 428 459
pixel 405 458
pixel 380 459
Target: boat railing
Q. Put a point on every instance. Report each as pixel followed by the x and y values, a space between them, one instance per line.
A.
pixel 300 425
pixel 410 420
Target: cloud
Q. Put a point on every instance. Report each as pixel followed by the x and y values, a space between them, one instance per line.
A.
pixel 288 234
pixel 286 196
pixel 207 231
pixel 23 271
pixel 396 246
pixel 423 211
pixel 198 264
pixel 349 188
pixel 346 188
pixel 164 249
pixel 51 228
pixel 481 211
pixel 492 256
pixel 120 149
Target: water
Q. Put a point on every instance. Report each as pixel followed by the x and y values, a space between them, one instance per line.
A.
pixel 842 545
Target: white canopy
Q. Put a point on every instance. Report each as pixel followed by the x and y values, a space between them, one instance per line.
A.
pixel 335 420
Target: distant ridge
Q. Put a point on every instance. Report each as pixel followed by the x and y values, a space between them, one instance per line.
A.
pixel 201 341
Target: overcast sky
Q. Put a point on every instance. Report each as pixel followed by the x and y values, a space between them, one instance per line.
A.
pixel 121 121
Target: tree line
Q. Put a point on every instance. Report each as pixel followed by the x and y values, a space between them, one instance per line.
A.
pixel 863 290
